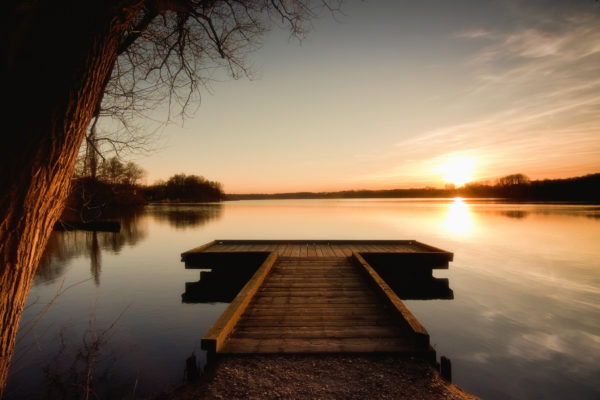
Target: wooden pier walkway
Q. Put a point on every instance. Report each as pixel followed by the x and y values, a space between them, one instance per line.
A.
pixel 318 297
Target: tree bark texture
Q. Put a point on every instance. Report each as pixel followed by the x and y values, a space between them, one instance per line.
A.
pixel 56 57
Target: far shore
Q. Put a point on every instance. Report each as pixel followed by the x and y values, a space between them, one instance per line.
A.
pixel 578 189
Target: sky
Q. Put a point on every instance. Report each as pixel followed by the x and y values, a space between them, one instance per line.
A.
pixel 401 94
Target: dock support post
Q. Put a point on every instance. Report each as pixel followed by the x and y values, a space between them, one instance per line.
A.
pixel 191 369
pixel 446 368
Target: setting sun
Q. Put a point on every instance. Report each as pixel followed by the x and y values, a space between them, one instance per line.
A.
pixel 458 170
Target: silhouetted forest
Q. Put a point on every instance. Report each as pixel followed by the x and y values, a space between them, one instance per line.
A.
pixel 516 186
pixel 185 188
pixel 116 194
pixel 93 199
pixel 582 188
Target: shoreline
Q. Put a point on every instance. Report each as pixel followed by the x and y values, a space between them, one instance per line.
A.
pixel 318 376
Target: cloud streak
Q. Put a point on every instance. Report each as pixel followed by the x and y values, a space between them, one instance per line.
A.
pixel 546 89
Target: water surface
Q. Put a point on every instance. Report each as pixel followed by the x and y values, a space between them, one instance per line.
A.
pixel 524 321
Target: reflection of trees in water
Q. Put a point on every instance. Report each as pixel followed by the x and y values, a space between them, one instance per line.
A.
pixel 524 210
pixel 182 216
pixel 564 211
pixel 516 214
pixel 64 246
pixel 55 258
pixel 133 230
pixel 95 258
pixel 572 211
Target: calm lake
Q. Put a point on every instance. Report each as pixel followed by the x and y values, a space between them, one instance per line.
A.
pixel 524 322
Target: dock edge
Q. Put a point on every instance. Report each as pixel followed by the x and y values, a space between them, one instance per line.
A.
pixel 215 337
pixel 421 334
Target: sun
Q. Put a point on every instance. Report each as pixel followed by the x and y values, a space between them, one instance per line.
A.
pixel 458 170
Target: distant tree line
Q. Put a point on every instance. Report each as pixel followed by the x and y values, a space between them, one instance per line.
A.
pixel 519 187
pixel 110 170
pixel 185 188
pixel 349 194
pixel 104 191
pixel 113 189
pixel 515 186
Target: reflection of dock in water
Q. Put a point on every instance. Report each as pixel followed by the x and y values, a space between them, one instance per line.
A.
pixel 317 296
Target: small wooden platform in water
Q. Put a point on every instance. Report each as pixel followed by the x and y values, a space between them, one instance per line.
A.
pixel 318 297
pixel 318 248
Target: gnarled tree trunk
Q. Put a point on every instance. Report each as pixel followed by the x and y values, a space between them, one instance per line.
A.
pixel 56 57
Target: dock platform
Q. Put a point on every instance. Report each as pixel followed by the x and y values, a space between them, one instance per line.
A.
pixel 317 296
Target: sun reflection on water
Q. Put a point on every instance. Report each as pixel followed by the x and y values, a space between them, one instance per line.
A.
pixel 458 219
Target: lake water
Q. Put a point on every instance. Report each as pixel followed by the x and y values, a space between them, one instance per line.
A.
pixel 524 321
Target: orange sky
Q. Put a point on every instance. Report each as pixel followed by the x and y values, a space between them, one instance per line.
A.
pixel 386 95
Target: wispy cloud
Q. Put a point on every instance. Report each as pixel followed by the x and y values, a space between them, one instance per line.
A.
pixel 554 56
pixel 474 34
pixel 543 88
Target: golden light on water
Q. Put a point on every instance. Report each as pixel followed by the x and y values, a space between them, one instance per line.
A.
pixel 458 170
pixel 458 219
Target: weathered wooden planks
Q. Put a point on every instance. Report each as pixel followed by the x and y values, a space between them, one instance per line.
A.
pixel 319 305
pixel 319 296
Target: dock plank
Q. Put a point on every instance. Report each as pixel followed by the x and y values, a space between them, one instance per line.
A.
pixel 317 332
pixel 337 345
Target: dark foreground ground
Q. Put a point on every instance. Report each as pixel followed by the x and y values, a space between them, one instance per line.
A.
pixel 318 377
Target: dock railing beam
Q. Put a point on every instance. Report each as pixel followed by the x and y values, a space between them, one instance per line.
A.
pixel 420 333
pixel 216 336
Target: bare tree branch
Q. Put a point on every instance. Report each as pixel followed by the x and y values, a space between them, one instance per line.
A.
pixel 172 51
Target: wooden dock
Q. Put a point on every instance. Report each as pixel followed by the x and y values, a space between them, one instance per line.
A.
pixel 318 297
pixel 318 248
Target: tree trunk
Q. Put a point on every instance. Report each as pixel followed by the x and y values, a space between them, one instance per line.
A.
pixel 56 56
